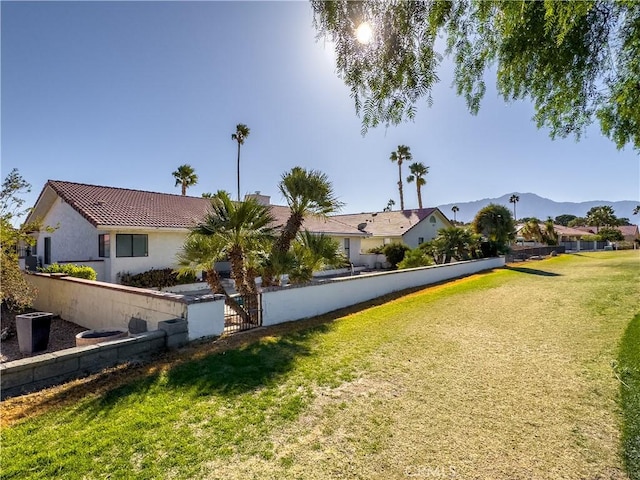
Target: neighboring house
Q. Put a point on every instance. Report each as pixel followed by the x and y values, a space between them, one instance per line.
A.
pixel 565 234
pixel 411 227
pixel 119 230
pixel 629 232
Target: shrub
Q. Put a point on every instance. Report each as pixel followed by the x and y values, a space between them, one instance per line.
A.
pixel 415 258
pixel 395 252
pixel 160 278
pixel 611 234
pixel 376 250
pixel 78 271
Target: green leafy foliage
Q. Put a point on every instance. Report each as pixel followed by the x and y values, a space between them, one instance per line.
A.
pixel 78 271
pixel 578 62
pixel 564 219
pixel 611 234
pixel 16 293
pixel 395 252
pixel 627 370
pixel 156 278
pixel 496 224
pixel 415 258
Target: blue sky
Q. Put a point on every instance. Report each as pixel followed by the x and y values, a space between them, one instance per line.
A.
pixel 122 93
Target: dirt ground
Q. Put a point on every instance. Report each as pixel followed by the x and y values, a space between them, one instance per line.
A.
pixel 62 335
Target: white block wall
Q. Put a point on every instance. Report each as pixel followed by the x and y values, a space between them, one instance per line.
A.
pixel 303 302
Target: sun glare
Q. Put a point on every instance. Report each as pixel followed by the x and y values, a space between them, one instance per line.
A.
pixel 364 33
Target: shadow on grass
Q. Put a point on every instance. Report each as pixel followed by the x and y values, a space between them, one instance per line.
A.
pixel 629 375
pixel 228 373
pixel 231 364
pixel 532 271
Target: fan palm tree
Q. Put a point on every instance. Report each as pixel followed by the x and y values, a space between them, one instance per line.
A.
pixel 455 243
pixel 186 176
pixel 242 132
pixel 636 210
pixel 243 229
pixel 531 230
pixel 418 171
pixel 455 210
pixel 307 192
pixel 514 199
pixel 400 156
pixel 314 252
pixel 550 235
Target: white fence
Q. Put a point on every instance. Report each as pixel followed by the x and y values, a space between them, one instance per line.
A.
pixel 105 305
pixel 295 303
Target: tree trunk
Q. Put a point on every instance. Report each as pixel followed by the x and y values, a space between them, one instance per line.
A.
pixel 213 280
pixel 238 171
pixel 400 185
pixel 419 196
pixel 282 245
pixel 184 188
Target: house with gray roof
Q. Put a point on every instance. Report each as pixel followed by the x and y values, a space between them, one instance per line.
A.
pixel 118 230
pixel 411 227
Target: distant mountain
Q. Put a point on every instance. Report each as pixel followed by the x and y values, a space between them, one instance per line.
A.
pixel 532 205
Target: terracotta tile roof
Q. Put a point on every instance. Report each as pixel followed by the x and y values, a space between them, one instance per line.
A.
pixel 389 224
pixel 130 208
pixel 121 207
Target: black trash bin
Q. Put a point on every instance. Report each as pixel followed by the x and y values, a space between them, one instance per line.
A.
pixel 33 331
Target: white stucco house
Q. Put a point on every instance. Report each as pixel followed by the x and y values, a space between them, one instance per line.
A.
pixel 118 230
pixel 411 227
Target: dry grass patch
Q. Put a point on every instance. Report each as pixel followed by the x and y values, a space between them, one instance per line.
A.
pixel 505 375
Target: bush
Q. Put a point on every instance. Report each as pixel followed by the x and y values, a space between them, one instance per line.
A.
pixel 415 258
pixel 395 252
pixel 161 278
pixel 611 234
pixel 376 250
pixel 78 271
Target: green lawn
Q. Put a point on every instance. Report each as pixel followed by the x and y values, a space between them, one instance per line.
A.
pixel 513 374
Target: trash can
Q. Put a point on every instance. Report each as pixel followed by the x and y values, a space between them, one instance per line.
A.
pixel 33 331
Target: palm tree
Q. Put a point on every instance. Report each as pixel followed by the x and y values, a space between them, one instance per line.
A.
pixel 389 206
pixel 314 252
pixel 601 216
pixel 186 176
pixel 454 243
pixel 243 229
pixel 400 156
pixel 636 210
pixel 514 199
pixel 418 171
pixel 455 210
pixel 242 132
pixel 549 234
pixel 531 230
pixel 307 192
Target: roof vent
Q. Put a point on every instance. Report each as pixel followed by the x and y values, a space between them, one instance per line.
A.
pixel 362 226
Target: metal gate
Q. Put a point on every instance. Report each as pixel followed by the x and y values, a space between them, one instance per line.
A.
pixel 242 312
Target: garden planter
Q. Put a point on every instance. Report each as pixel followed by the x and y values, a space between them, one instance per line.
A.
pixel 91 337
pixel 33 331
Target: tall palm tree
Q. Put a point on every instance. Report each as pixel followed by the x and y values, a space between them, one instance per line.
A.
pixel 418 171
pixel 186 176
pixel 514 199
pixel 307 192
pixel 400 156
pixel 455 210
pixel 242 132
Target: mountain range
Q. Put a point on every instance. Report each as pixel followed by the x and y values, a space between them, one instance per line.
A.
pixel 532 205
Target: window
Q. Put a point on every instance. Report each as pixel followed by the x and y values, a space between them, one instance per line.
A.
pixel 128 245
pixel 420 240
pixel 432 219
pixel 47 250
pixel 104 245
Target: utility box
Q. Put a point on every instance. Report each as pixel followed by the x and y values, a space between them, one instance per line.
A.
pixel 33 331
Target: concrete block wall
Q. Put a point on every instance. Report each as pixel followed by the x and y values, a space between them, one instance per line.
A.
pixel 41 371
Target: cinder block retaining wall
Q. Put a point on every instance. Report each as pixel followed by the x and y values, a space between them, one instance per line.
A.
pixel 41 371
